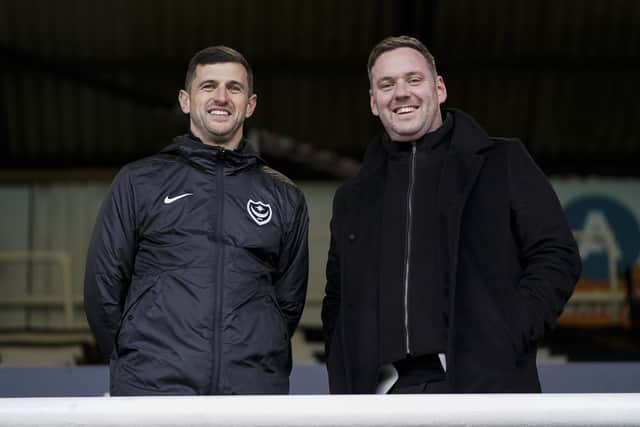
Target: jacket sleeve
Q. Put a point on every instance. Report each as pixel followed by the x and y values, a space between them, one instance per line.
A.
pixel 109 263
pixel 331 301
pixel 548 252
pixel 293 272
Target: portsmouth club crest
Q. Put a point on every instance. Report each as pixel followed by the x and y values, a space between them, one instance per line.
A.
pixel 259 212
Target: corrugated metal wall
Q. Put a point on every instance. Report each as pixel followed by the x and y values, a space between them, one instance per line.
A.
pixel 562 74
pixel 94 82
pixel 98 80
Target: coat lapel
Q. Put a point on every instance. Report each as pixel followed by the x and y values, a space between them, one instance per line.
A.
pixel 459 175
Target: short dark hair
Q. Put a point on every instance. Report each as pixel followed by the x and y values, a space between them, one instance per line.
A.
pixel 395 42
pixel 217 55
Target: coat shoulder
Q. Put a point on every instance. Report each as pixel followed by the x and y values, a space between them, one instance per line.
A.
pixel 508 149
pixel 345 192
pixel 282 185
pixel 503 143
pixel 508 144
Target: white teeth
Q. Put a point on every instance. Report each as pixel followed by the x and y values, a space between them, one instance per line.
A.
pixel 219 113
pixel 405 110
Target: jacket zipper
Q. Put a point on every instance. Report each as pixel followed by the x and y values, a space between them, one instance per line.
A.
pixel 407 261
pixel 217 318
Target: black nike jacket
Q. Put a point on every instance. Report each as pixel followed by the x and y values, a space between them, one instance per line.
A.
pixel 196 273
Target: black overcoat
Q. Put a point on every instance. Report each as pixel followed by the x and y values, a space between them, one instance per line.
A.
pixel 510 258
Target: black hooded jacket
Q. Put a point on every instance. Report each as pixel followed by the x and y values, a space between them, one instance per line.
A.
pixel 197 273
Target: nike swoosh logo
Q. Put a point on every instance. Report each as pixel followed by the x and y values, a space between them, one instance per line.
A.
pixel 169 200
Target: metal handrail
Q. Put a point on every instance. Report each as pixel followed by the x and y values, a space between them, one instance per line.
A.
pixel 615 297
pixel 61 258
pixel 322 410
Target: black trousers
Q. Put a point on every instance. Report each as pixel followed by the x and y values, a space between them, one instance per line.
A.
pixel 422 374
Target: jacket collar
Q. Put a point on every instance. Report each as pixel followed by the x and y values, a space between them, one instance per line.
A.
pixel 467 138
pixel 427 143
pixel 208 157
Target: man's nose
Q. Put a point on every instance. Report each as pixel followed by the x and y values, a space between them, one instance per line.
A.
pixel 220 95
pixel 401 89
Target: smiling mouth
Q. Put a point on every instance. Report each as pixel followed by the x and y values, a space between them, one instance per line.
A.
pixel 218 112
pixel 405 109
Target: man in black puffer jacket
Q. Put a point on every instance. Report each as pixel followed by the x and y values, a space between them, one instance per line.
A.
pixel 197 269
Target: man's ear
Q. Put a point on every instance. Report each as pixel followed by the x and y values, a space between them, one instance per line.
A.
pixel 372 103
pixel 183 99
pixel 441 89
pixel 251 105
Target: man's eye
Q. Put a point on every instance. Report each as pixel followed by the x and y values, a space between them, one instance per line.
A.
pixel 386 86
pixel 235 89
pixel 414 80
pixel 207 88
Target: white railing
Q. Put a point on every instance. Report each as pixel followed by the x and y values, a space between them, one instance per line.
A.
pixel 322 410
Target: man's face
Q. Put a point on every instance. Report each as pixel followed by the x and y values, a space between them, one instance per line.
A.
pixel 406 94
pixel 218 102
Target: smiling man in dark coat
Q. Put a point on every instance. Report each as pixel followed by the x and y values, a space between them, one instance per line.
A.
pixel 450 255
pixel 197 267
